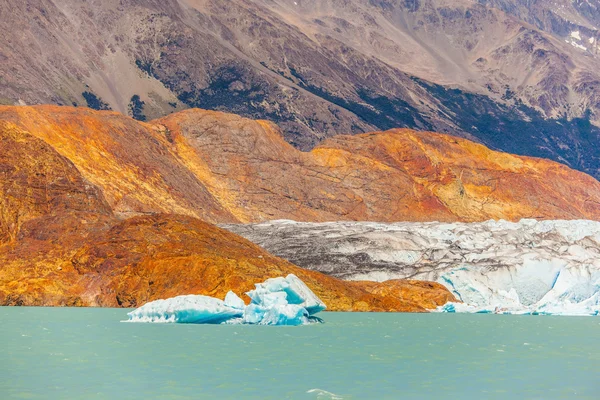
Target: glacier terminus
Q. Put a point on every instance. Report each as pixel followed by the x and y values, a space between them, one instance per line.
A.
pixel 526 267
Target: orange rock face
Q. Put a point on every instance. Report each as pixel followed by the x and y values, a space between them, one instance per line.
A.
pixel 35 180
pixel 223 168
pixel 62 245
pixel 78 259
pixel 130 162
pixel 398 175
pixel 98 209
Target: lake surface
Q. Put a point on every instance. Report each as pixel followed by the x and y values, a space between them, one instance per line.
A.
pixel 78 353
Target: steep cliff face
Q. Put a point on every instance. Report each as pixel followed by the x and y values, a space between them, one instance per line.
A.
pixel 224 168
pixel 518 76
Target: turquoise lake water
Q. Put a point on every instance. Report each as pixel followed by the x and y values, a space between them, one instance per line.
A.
pixel 78 353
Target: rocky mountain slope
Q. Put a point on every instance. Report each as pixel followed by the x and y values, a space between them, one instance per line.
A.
pixel 225 168
pixel 560 17
pixel 61 245
pixel 517 76
pixel 86 260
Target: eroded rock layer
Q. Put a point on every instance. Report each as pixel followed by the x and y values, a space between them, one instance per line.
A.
pixel 35 180
pixel 129 161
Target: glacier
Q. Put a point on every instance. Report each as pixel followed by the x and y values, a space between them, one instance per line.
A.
pixel 277 301
pixel 525 267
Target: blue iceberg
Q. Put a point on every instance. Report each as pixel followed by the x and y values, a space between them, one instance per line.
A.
pixel 277 301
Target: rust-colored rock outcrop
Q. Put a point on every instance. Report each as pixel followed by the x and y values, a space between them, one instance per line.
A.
pixel 82 259
pixel 398 175
pixel 129 161
pixel 223 168
pixel 62 245
pixel 98 209
pixel 35 180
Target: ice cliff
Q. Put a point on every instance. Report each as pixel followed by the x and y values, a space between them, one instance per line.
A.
pixel 277 301
pixel 528 267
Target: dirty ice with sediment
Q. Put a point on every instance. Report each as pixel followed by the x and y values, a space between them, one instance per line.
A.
pixel 526 267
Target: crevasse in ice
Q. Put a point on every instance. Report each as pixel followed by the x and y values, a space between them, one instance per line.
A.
pixel 277 301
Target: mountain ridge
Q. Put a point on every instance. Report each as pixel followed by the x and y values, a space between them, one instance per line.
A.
pixel 225 168
pixel 520 78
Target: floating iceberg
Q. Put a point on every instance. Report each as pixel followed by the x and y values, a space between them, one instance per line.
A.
pixel 277 301
pixel 296 293
pixel 189 309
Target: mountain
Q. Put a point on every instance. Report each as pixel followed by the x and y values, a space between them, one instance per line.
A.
pixel 518 76
pixel 560 17
pixel 61 245
pixel 128 160
pixel 223 168
pixel 98 209
pixel 36 181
